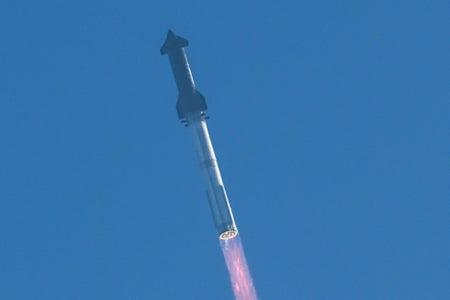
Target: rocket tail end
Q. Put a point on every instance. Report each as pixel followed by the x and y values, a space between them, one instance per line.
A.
pixel 196 103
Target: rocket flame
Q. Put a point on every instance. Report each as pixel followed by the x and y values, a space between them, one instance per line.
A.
pixel 240 277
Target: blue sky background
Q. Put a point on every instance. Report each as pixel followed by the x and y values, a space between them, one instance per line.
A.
pixel 329 120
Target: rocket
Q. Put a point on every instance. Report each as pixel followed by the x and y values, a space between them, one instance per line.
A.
pixel 191 107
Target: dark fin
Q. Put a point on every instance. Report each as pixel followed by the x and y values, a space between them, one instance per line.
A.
pixel 173 42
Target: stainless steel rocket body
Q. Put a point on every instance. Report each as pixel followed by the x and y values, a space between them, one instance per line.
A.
pixel 191 107
pixel 217 196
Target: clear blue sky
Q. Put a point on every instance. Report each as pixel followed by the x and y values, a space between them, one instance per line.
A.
pixel 330 123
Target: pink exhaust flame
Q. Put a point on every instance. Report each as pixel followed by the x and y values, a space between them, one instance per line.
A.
pixel 240 277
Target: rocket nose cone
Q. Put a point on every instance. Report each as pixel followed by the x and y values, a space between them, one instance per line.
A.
pixel 170 35
pixel 173 42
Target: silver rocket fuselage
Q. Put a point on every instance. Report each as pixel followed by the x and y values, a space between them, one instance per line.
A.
pixel 217 196
pixel 191 107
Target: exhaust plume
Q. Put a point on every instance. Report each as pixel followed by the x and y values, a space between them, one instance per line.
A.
pixel 241 280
